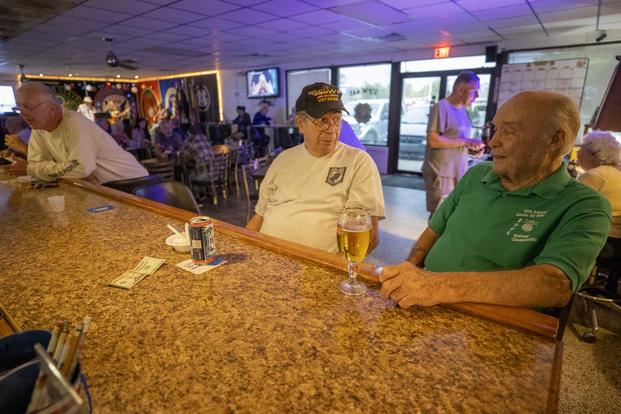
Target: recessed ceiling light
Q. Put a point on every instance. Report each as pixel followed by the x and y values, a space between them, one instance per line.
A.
pixel 40 74
pixel 136 77
pixel 71 74
pixel 118 76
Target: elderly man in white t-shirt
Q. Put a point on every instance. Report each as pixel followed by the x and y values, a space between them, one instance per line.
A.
pixel 63 143
pixel 307 186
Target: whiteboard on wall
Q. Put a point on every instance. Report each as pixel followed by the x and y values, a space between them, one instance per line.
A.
pixel 565 76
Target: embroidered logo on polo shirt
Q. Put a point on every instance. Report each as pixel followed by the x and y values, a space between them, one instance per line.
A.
pixel 335 175
pixel 526 221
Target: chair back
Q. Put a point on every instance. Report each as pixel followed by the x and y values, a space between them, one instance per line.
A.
pixel 129 185
pixel 218 166
pixel 171 193
pixel 251 193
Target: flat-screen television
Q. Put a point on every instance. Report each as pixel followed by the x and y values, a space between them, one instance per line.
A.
pixel 7 98
pixel 263 83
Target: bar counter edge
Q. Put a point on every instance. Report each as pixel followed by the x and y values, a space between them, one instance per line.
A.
pixel 520 318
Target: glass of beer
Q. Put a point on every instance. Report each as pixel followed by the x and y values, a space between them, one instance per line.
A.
pixel 353 237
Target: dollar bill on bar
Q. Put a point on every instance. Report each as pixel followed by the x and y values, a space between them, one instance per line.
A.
pixel 129 279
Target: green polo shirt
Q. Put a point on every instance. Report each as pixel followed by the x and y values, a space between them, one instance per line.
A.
pixel 483 227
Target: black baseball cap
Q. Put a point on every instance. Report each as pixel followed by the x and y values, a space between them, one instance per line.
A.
pixel 318 98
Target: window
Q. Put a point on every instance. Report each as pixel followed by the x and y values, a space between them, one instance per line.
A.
pixel 366 94
pixel 298 79
pixel 457 63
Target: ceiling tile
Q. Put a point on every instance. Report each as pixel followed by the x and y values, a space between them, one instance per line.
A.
pixel 249 16
pixel 345 24
pixel 331 3
pixel 208 8
pixel 503 12
pixel 147 24
pixel 98 15
pixel 547 6
pixel 215 23
pixel 283 25
pixel 408 4
pixel 569 14
pixel 122 6
pixel 252 31
pixel 285 8
pixel 312 31
pixel 160 2
pixel 434 11
pixel 188 31
pixel 372 11
pixel 246 3
pixel 125 31
pixel 475 5
pixel 168 14
pixel 319 17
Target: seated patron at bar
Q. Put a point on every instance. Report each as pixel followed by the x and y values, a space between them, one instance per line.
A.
pixel 517 231
pixel 600 157
pixel 63 143
pixel 307 186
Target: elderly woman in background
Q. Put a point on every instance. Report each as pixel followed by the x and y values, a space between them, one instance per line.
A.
pixel 600 157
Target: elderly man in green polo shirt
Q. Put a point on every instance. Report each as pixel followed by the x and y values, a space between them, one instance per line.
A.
pixel 518 231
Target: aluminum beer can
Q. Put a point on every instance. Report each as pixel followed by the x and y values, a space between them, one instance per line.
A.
pixel 202 240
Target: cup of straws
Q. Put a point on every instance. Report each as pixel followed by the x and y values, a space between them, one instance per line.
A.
pixel 40 371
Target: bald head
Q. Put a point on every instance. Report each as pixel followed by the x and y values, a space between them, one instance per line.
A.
pixel 550 112
pixel 534 130
pixel 37 90
pixel 38 105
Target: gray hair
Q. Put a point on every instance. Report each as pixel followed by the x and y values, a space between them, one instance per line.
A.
pixel 603 146
pixel 38 88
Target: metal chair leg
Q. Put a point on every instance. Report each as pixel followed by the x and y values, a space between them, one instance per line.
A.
pixel 590 336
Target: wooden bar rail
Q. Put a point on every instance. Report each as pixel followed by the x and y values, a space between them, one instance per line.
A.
pixel 521 318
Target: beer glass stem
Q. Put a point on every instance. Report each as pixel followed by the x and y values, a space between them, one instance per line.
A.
pixel 352 268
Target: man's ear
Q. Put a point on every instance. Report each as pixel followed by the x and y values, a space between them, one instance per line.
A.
pixel 557 140
pixel 299 122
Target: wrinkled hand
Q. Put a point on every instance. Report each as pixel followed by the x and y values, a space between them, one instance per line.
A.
pixel 16 144
pixel 18 167
pixel 409 285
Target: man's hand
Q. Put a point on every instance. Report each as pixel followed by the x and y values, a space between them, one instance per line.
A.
pixel 16 144
pixel 409 285
pixel 18 167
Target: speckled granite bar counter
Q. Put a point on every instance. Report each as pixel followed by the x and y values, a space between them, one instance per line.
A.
pixel 266 332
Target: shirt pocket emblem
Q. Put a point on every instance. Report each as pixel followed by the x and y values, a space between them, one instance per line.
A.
pixel 335 175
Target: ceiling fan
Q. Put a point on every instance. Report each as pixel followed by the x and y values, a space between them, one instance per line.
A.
pixel 113 60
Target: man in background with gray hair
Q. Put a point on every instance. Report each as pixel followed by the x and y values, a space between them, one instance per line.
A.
pixel 449 136
pixel 518 231
pixel 64 143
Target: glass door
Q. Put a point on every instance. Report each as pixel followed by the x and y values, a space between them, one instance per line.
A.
pixel 418 95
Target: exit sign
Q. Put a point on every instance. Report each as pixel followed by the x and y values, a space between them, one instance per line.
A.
pixel 441 52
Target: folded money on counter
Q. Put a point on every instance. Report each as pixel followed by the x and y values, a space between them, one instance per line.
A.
pixel 129 279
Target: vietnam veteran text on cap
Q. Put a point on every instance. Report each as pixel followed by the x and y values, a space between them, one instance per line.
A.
pixel 318 98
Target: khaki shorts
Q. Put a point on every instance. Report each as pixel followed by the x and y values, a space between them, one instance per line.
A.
pixel 437 188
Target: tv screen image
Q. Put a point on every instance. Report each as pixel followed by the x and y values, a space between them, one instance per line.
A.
pixel 7 98
pixel 262 83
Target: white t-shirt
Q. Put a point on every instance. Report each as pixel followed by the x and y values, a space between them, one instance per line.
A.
pixel 302 195
pixel 78 148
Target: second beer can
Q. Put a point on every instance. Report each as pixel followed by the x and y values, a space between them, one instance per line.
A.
pixel 202 240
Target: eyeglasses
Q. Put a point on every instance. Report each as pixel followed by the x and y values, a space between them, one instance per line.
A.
pixel 323 124
pixel 489 129
pixel 22 108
